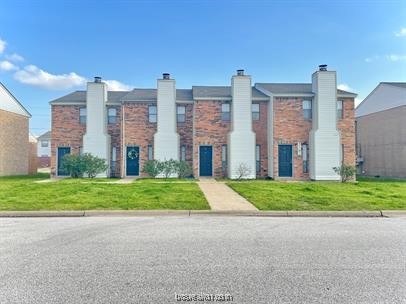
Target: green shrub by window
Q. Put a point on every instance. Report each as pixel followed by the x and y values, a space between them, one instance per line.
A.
pixel 346 172
pixel 78 165
pixel 167 168
pixel 152 167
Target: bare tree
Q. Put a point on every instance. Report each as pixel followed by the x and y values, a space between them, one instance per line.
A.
pixel 243 170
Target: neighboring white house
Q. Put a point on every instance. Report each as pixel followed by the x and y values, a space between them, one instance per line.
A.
pixel 44 150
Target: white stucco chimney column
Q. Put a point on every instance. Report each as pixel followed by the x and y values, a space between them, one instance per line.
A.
pixel 241 139
pixel 96 140
pixel 166 139
pixel 324 137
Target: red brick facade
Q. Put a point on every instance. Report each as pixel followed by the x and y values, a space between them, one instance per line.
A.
pixel 203 126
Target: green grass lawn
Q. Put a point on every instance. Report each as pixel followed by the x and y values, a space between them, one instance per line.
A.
pixel 24 193
pixel 365 194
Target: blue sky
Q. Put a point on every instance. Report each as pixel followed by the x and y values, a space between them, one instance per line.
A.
pixel 63 43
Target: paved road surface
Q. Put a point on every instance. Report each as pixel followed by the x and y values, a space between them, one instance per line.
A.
pixel 255 260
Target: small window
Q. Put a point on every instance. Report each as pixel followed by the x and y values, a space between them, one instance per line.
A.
pixel 113 160
pixel 339 109
pixel 341 154
pixel 255 111
pixel 82 116
pixel 224 158
pixel 44 143
pixel 258 157
pixel 181 113
pixel 225 111
pixel 150 152
pixel 152 115
pixel 112 115
pixel 305 158
pixel 307 109
pixel 80 150
pixel 183 153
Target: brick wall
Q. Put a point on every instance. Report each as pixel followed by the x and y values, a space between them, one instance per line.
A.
pixel 114 130
pixel 185 131
pixel 209 129
pixel 346 126
pixel 14 147
pixel 260 127
pixel 66 131
pixel 290 127
pixel 138 131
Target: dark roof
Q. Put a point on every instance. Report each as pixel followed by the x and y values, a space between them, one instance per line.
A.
pixel 46 135
pixel 80 96
pixel 396 84
pixel 151 95
pixel 292 88
pixel 220 92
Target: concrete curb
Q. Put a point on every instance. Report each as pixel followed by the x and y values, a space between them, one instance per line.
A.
pixel 122 213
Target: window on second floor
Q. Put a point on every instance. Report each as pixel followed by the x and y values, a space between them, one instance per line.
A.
pixel 82 115
pixel 255 111
pixel 339 109
pixel 44 143
pixel 225 111
pixel 111 115
pixel 152 114
pixel 181 113
pixel 307 109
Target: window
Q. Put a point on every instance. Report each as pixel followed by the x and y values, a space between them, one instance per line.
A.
pixel 113 160
pixel 341 154
pixel 80 150
pixel 181 113
pixel 339 109
pixel 255 111
pixel 224 158
pixel 305 158
pixel 82 115
pixel 183 153
pixel 44 143
pixel 111 115
pixel 152 114
pixel 258 158
pixel 307 109
pixel 225 111
pixel 150 152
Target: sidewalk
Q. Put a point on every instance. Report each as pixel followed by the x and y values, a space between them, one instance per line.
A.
pixel 222 198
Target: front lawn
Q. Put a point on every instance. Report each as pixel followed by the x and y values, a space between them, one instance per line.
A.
pixel 365 194
pixel 24 193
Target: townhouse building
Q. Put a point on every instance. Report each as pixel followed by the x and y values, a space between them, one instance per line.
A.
pixel 296 131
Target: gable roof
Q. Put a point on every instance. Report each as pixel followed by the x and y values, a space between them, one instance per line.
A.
pixel 386 95
pixel 10 103
pixel 222 92
pixel 296 89
pixel 151 95
pixel 46 135
pixel 80 96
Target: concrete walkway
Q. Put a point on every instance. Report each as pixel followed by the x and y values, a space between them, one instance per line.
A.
pixel 222 198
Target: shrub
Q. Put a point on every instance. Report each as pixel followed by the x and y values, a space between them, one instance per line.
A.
pixel 346 172
pixel 183 169
pixel 152 168
pixel 169 167
pixel 243 170
pixel 93 164
pixel 73 165
pixel 78 165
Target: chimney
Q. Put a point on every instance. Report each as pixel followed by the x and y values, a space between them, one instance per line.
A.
pixel 324 137
pixel 96 140
pixel 166 139
pixel 241 139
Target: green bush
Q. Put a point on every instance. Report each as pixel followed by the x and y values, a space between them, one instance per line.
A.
pixel 153 168
pixel 346 172
pixel 169 167
pixel 183 169
pixel 77 165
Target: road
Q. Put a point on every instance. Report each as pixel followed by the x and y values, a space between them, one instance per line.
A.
pixel 156 259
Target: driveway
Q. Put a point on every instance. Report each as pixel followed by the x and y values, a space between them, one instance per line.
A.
pixel 153 259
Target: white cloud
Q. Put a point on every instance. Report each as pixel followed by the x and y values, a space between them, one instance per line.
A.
pixel 33 75
pixel 15 57
pixel 2 45
pixel 7 66
pixel 396 57
pixel 401 33
pixel 114 85
pixel 373 58
pixel 344 87
pixel 357 101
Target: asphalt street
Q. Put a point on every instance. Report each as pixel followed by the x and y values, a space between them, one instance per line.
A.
pixel 162 259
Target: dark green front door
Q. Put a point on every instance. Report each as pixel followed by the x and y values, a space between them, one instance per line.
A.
pixel 285 160
pixel 133 161
pixel 61 152
pixel 206 166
